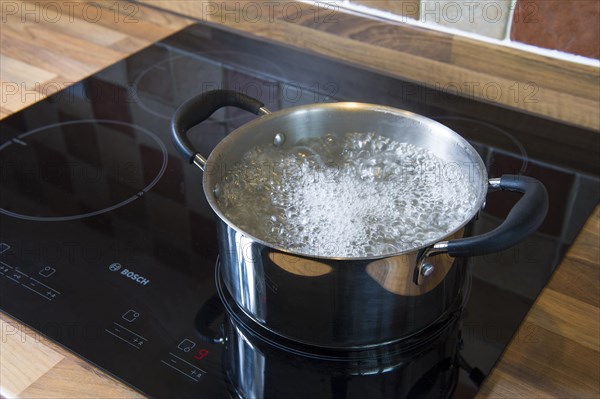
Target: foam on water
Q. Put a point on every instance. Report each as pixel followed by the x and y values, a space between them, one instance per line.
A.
pixel 353 196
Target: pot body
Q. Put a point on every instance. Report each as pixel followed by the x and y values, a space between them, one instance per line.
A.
pixel 336 303
pixel 339 302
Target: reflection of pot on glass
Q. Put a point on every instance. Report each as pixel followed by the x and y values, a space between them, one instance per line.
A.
pixel 349 302
pixel 261 365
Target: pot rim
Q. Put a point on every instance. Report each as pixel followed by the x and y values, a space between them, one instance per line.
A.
pixel 348 107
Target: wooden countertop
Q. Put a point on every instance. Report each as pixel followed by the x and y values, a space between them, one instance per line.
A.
pixel 555 354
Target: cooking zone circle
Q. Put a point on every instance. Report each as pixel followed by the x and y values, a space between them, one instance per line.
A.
pixel 157 88
pixel 71 170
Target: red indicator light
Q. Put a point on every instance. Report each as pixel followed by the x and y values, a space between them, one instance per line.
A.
pixel 201 354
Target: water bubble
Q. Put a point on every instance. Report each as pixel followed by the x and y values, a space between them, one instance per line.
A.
pixel 350 195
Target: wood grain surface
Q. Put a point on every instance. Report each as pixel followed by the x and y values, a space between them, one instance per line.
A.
pixel 554 354
pixel 45 46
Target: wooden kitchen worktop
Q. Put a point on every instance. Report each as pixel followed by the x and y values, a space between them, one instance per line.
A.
pixel 555 353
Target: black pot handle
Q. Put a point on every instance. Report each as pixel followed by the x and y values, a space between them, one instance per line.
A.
pixel 523 219
pixel 199 108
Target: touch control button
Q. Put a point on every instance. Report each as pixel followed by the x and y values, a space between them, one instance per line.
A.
pixel 47 271
pixel 186 345
pixel 130 316
pixel 183 367
pixel 126 335
pixel 28 282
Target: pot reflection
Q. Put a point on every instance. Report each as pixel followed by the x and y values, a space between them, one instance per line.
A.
pixel 258 363
pixel 257 367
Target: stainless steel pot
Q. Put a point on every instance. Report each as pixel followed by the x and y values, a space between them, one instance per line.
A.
pixel 261 365
pixel 348 302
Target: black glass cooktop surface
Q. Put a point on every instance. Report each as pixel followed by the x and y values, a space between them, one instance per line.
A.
pixel 109 248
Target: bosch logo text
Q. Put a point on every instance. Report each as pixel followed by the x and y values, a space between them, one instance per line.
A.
pixel 135 277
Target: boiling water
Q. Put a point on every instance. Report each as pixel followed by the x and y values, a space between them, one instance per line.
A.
pixel 357 195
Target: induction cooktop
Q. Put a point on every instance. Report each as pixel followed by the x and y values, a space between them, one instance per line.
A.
pixel 109 248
